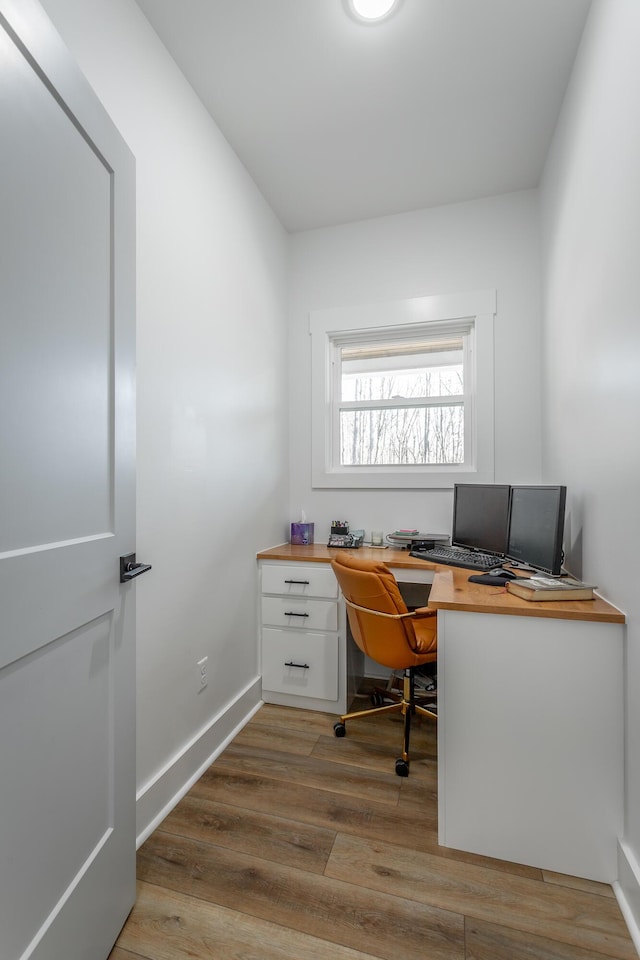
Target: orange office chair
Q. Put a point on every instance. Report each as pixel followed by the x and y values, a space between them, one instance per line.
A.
pixel 384 630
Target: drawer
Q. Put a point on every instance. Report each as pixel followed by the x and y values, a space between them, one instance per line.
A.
pixel 300 580
pixel 302 664
pixel 300 612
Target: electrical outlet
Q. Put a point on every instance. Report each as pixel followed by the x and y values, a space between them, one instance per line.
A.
pixel 202 678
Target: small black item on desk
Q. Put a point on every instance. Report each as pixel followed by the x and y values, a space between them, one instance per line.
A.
pixel 423 545
pixel 339 528
pixel 501 572
pixel 494 577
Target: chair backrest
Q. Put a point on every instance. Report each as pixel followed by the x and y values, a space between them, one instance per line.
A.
pixel 390 642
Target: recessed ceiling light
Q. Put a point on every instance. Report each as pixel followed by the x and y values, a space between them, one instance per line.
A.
pixel 371 11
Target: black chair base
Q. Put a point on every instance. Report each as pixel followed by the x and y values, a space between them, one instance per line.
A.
pixel 406 705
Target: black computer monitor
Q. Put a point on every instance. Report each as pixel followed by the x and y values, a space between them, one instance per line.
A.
pixel 481 516
pixel 536 527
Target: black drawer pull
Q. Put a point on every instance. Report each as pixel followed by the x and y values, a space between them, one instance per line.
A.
pixel 303 583
pixel 303 666
pixel 291 613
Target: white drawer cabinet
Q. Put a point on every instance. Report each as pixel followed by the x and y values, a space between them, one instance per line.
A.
pixel 299 580
pixel 300 613
pixel 302 664
pixel 303 643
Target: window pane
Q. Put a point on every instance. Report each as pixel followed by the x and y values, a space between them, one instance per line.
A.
pixel 403 435
pixel 402 368
pixel 441 381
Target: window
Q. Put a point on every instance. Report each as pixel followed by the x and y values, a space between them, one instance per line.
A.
pixel 403 393
pixel 400 402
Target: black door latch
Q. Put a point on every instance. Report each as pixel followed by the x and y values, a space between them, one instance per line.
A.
pixel 130 569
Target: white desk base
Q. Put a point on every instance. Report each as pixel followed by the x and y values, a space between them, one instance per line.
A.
pixel 530 740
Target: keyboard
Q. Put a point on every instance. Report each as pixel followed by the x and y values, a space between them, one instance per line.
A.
pixel 459 558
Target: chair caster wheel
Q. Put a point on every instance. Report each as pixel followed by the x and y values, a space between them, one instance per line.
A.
pixel 377 699
pixel 402 768
pixel 339 729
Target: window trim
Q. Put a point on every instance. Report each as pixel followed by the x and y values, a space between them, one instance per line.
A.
pixel 326 326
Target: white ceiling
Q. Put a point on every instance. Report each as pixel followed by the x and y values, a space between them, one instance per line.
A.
pixel 446 101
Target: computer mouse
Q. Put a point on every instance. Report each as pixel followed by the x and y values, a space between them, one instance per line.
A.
pixel 503 574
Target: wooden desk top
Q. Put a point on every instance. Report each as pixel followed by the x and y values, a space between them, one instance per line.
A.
pixel 451 589
pixel 319 553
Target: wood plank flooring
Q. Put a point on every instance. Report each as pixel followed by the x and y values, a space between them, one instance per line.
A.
pixel 295 845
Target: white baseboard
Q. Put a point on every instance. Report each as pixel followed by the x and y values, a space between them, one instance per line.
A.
pixel 627 890
pixel 159 795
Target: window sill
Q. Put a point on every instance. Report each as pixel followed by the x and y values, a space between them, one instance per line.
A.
pixel 401 479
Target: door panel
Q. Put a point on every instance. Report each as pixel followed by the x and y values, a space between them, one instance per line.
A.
pixel 67 508
pixel 67 679
pixel 58 383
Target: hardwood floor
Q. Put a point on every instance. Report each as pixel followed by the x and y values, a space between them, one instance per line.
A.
pixel 295 845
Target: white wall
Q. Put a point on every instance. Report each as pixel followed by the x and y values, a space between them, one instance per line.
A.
pixel 591 240
pixel 212 405
pixel 492 243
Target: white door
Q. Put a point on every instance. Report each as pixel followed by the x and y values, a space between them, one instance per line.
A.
pixel 67 717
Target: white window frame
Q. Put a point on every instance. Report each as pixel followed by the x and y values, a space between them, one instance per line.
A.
pixel 329 328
